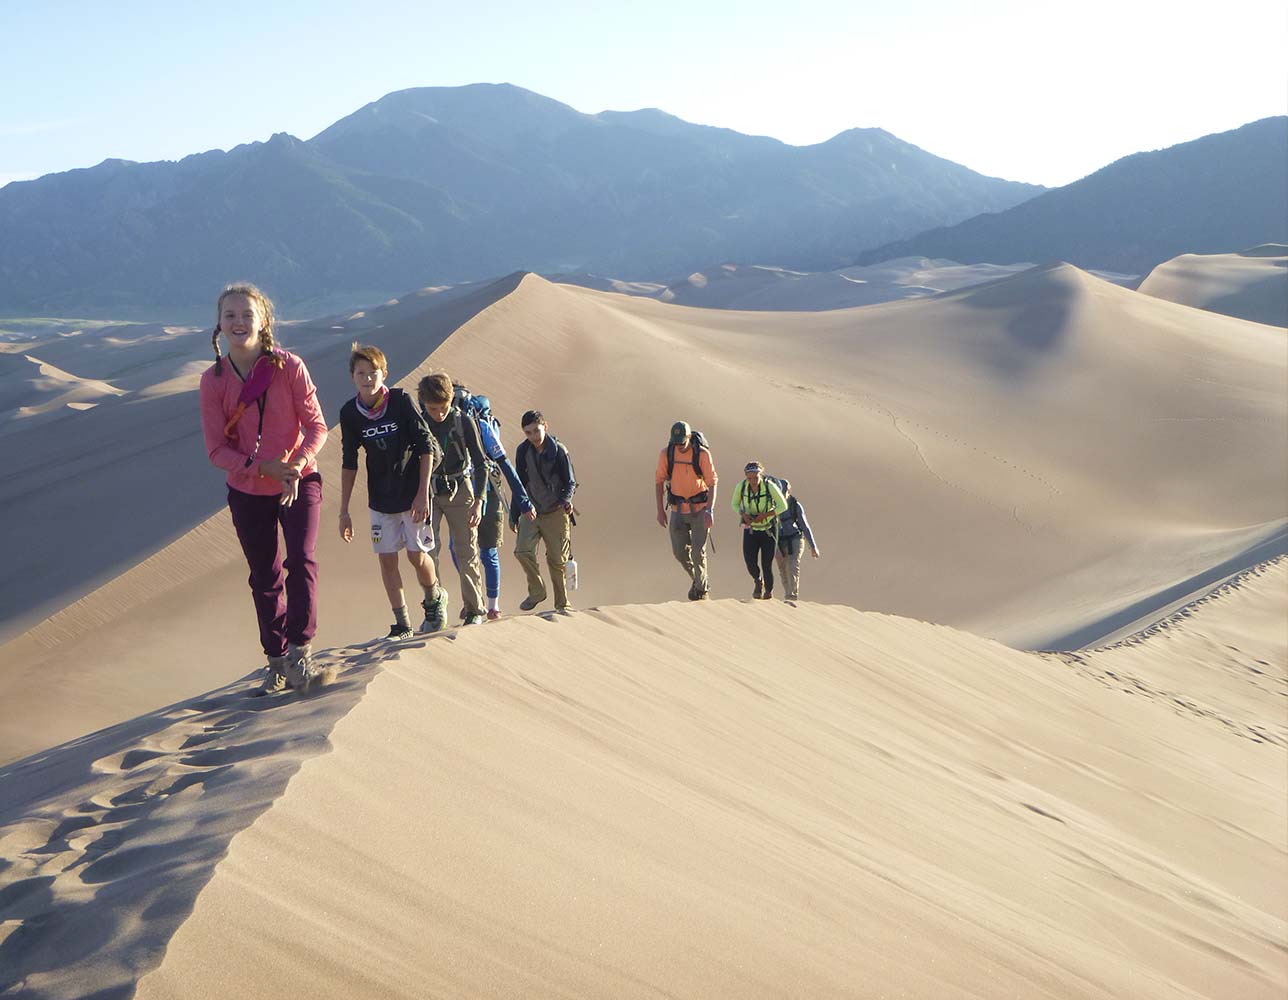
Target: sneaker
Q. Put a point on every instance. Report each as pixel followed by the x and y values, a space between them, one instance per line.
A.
pixel 494 615
pixel 530 602
pixel 397 632
pixel 435 612
pixel 758 591
pixel 475 618
pixel 704 595
pixel 301 671
pixel 275 681
pixel 567 609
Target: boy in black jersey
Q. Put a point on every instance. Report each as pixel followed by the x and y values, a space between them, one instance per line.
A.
pixel 401 456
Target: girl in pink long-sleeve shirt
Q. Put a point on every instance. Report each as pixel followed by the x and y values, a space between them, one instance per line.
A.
pixel 263 426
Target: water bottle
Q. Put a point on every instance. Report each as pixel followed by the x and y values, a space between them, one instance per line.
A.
pixel 570 574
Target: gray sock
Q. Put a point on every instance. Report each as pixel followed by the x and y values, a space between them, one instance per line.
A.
pixel 431 593
pixel 400 616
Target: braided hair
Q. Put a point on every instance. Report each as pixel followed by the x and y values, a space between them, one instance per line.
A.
pixel 265 306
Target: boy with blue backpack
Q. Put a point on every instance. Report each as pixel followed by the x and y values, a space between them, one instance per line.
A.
pixel 491 525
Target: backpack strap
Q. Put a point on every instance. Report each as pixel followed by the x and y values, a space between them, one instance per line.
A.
pixel 458 439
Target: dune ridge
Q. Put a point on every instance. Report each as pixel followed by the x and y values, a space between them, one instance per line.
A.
pixel 825 802
pixel 1251 284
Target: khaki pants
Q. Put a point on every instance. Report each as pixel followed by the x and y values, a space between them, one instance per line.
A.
pixel 689 545
pixel 465 545
pixel 789 566
pixel 556 531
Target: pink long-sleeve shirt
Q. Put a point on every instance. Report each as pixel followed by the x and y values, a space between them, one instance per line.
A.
pixel 293 424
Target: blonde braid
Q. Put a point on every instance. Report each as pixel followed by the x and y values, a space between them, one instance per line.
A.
pixel 266 335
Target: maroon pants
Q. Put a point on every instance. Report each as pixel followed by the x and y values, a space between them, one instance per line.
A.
pixel 286 608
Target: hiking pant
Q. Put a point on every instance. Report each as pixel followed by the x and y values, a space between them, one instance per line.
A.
pixel 286 608
pixel 689 545
pixel 464 544
pixel 789 565
pixel 758 546
pixel 556 530
pixel 489 532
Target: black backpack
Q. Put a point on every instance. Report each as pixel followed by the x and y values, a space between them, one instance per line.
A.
pixel 697 442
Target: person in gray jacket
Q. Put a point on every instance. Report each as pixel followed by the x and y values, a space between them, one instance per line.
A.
pixel 792 528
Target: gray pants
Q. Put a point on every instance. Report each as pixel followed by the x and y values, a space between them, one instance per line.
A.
pixel 789 565
pixel 465 544
pixel 689 544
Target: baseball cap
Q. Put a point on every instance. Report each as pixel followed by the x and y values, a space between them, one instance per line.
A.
pixel 679 431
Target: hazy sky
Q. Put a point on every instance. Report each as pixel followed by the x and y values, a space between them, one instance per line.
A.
pixel 1025 90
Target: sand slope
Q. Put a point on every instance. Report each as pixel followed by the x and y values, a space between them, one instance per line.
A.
pixel 824 803
pixel 1046 459
pixel 1251 285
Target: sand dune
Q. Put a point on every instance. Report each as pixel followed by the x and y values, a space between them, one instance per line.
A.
pixel 1251 285
pixel 1044 459
pixel 826 803
pixel 33 388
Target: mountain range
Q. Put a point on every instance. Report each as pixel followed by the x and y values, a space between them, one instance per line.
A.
pixel 435 185
pixel 1218 194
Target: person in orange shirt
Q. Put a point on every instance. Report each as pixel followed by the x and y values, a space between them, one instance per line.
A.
pixel 685 482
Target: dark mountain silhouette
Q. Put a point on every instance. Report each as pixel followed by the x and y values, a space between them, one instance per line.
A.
pixel 439 185
pixel 1217 194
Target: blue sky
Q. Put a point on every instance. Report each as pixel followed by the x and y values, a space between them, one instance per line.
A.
pixel 1029 91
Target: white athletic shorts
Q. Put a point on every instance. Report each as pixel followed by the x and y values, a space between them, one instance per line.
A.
pixel 391 532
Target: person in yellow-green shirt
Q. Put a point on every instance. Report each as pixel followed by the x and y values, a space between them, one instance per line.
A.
pixel 758 501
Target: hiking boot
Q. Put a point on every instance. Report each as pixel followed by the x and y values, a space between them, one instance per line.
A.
pixel 530 602
pixel 475 618
pixel 435 611
pixel 301 671
pixel 758 591
pixel 494 615
pixel 769 595
pixel 398 632
pixel 275 679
